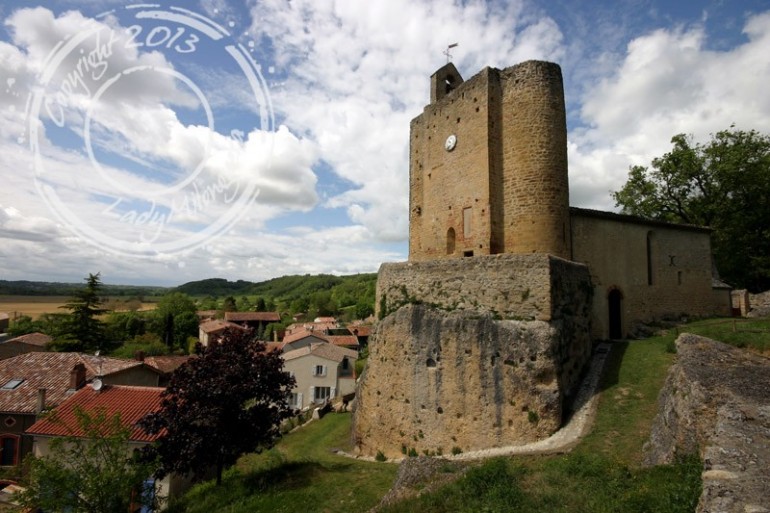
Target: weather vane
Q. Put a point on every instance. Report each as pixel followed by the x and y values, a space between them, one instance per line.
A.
pixel 446 52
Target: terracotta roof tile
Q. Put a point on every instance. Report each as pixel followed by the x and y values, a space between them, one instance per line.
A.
pixel 132 403
pixel 323 350
pixel 218 325
pixel 360 330
pixel 274 346
pixel 166 364
pixel 33 339
pixel 252 316
pixel 52 372
pixel 343 340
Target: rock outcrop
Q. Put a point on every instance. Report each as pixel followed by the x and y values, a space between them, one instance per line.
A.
pixel 447 380
pixel 716 401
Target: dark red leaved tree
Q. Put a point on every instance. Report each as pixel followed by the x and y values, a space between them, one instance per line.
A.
pixel 228 401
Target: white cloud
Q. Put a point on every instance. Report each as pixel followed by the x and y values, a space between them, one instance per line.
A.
pixel 345 78
pixel 669 82
pixel 359 71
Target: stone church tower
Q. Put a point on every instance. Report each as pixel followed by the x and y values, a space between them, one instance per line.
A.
pixel 473 353
pixel 488 165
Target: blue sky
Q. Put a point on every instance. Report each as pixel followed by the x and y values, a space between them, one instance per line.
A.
pixel 162 144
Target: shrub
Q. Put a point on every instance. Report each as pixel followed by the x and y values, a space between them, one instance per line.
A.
pixel 380 457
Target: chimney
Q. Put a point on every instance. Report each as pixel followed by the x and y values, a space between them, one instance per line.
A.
pixel 77 376
pixel 139 356
pixel 40 401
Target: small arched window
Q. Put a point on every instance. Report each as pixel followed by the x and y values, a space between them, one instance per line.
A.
pixel 450 241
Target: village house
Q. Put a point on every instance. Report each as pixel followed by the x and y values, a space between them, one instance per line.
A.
pixel 325 329
pixel 322 372
pixel 130 402
pixel 210 331
pixel 257 321
pixel 31 342
pixel 32 382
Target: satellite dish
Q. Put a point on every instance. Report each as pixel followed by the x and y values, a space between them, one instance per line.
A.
pixel 97 384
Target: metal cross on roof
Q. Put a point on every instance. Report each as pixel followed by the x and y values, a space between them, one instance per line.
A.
pixel 446 52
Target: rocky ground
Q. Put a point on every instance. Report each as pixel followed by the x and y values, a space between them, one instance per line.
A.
pixel 716 401
pixel 760 304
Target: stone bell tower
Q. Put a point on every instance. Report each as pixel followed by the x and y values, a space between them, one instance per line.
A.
pixel 488 165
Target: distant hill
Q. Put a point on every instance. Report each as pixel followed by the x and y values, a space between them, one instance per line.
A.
pixel 295 293
pixel 46 288
pixel 215 287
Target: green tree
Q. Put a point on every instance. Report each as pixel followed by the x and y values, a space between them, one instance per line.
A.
pixel 260 306
pixel 175 319
pixel 227 402
pixel 229 304
pixel 724 184
pixel 85 330
pixel 123 326
pixel 363 309
pixel 94 473
pixel 22 325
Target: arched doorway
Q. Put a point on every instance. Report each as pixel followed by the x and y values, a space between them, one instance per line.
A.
pixel 615 300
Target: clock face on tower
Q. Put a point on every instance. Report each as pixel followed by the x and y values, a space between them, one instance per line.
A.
pixel 450 143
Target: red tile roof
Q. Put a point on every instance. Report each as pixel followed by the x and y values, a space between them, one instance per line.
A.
pixel 311 326
pixel 132 403
pixel 323 350
pixel 343 340
pixel 52 372
pixel 360 330
pixel 252 316
pixel 218 325
pixel 166 364
pixel 33 339
pixel 274 346
pixel 337 340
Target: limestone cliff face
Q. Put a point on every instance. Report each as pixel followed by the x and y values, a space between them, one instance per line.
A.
pixel 716 401
pixel 436 380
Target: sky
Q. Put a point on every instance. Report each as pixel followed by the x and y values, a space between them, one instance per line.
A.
pixel 162 143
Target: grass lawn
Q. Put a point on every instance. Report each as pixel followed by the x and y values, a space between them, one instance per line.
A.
pixel 301 475
pixel 602 474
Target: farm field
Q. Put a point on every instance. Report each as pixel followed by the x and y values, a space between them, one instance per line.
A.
pixel 35 306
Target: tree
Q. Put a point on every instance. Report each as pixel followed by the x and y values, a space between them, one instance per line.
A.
pixel 229 304
pixel 84 327
pixel 175 319
pixel 725 185
pixel 94 473
pixel 260 306
pixel 227 402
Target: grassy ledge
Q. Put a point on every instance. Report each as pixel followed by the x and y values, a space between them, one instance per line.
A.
pixel 602 474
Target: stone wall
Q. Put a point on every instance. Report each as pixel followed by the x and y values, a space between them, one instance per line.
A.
pixel 715 403
pixel 503 186
pixel 672 279
pixel 450 367
pixel 448 187
pixel 505 285
pixel 535 184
